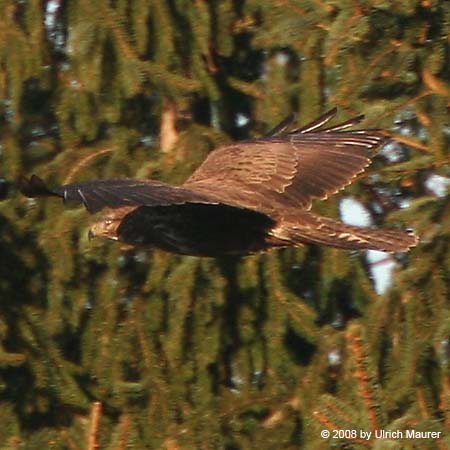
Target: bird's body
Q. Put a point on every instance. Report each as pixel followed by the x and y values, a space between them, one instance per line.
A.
pixel 245 198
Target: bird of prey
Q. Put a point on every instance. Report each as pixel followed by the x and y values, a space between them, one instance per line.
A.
pixel 246 197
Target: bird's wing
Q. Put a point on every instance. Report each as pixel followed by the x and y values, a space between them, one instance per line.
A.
pixel 115 193
pixel 289 167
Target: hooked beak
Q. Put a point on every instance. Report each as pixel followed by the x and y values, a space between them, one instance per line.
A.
pixel 103 228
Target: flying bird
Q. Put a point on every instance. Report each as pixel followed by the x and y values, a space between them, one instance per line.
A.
pixel 246 197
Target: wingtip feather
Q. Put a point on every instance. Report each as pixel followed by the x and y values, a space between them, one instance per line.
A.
pixel 33 186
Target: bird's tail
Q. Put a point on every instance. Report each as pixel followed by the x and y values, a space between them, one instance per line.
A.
pixel 311 229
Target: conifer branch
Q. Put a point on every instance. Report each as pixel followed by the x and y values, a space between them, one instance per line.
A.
pixel 171 444
pixel 168 130
pixel 365 381
pixel 435 84
pixel 84 162
pixel 94 429
pixel 153 336
pixel 124 425
pixel 444 404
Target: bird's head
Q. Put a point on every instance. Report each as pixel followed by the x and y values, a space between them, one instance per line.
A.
pixel 108 225
pixel 105 227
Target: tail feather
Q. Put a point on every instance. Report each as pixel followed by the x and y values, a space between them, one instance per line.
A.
pixel 311 229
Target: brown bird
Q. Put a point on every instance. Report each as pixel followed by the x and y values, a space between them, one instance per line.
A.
pixel 246 197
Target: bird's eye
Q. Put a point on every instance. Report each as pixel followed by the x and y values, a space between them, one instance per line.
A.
pixel 108 221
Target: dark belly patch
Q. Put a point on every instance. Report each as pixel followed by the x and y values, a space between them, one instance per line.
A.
pixel 197 229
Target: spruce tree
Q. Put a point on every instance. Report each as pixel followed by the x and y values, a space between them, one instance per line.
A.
pixel 111 347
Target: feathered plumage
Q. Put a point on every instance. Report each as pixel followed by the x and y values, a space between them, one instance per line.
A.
pixel 246 197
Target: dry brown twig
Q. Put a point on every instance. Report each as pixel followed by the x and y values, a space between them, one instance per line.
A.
pixel 94 428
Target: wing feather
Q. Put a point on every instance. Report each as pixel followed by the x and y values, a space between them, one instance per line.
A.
pixel 115 193
pixel 317 123
pixel 289 168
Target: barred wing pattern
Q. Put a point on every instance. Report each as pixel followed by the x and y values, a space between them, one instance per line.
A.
pixel 290 168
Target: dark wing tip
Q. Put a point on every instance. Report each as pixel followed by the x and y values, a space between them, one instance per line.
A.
pixel 282 126
pixel 328 115
pixel 316 126
pixel 33 187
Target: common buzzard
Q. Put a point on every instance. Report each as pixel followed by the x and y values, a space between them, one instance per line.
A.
pixel 246 197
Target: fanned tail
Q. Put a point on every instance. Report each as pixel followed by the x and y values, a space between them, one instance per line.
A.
pixel 311 229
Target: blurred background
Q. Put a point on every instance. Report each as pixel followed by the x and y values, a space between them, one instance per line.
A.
pixel 104 346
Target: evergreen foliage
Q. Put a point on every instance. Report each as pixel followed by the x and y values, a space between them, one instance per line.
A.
pixel 104 346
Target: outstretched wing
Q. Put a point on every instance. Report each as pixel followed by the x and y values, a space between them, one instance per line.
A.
pixel 115 193
pixel 289 167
